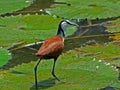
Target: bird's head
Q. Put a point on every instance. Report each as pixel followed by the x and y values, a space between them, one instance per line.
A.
pixel 65 23
pixel 63 27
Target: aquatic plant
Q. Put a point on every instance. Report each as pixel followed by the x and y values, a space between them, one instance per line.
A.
pixel 86 9
pixel 10 5
pixel 4 56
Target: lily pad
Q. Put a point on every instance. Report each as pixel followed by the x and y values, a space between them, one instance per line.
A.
pixel 4 56
pixel 7 6
pixel 114 26
pixel 86 8
pixel 77 73
pixel 27 28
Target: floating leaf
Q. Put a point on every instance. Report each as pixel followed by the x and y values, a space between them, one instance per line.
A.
pixel 86 8
pixel 7 6
pixel 28 28
pixel 4 56
pixel 78 73
pixel 114 26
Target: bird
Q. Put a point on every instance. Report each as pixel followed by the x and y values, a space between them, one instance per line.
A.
pixel 53 47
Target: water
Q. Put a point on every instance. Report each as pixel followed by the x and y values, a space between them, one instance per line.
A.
pixel 88 34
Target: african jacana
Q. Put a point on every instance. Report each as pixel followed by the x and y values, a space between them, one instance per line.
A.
pixel 53 47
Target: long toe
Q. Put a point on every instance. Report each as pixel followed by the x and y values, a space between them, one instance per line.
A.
pixel 55 77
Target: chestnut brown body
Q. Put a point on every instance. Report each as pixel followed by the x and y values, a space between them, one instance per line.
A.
pixel 51 48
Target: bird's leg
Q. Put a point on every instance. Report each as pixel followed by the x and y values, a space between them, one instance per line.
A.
pixel 35 69
pixel 53 72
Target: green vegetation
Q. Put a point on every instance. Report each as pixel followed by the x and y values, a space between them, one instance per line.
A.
pixel 114 26
pixel 7 6
pixel 4 56
pixel 108 54
pixel 28 28
pixel 74 69
pixel 85 68
pixel 86 9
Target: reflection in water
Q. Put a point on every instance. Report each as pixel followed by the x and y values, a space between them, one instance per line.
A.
pixel 88 35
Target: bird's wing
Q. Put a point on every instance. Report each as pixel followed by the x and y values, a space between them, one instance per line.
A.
pixel 51 46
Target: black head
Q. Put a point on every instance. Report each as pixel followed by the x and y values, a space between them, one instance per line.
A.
pixel 63 27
